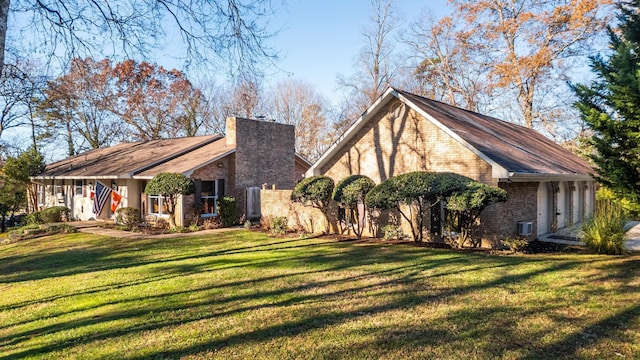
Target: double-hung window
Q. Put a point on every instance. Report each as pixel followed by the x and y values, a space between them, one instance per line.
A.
pixel 41 194
pixel 208 197
pixel 77 187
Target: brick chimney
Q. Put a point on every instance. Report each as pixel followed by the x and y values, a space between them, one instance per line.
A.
pixel 265 154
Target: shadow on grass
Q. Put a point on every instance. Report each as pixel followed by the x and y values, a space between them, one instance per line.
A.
pixel 598 332
pixel 403 275
pixel 72 261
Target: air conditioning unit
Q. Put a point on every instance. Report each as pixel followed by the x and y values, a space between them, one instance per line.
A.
pixel 525 228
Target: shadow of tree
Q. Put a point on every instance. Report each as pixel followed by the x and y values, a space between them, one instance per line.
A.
pixel 302 278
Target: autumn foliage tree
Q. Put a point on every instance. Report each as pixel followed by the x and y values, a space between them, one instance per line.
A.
pixel 520 49
pixel 97 104
pixel 77 105
pixel 155 102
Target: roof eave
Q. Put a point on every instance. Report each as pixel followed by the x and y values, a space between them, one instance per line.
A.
pixel 72 177
pixel 538 177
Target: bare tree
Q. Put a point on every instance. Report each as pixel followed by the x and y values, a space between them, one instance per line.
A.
pixel 375 66
pixel 445 70
pixel 296 102
pixel 20 84
pixel 229 32
pixel 243 99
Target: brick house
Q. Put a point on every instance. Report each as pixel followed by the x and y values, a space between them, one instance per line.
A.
pixel 252 154
pixel 549 188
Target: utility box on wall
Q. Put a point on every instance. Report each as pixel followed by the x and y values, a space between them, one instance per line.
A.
pixel 525 228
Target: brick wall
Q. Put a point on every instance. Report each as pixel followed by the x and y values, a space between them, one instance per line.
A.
pixel 265 154
pixel 398 140
pixel 276 203
pixel 500 221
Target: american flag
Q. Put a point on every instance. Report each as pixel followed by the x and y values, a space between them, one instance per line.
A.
pixel 100 198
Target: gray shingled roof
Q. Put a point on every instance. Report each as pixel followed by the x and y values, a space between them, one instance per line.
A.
pixel 516 148
pixel 126 160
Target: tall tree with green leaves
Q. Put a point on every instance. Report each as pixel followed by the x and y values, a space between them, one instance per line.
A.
pixel 610 106
pixel 16 173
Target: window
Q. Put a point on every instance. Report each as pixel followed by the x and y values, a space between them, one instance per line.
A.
pixel 58 188
pixel 157 205
pixel 41 194
pixel 209 197
pixel 77 187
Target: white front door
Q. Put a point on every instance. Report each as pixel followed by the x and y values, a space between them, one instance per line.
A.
pixel 543 209
pixel 562 205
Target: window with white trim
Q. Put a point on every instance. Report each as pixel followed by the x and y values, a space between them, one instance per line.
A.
pixel 157 205
pixel 58 188
pixel 209 197
pixel 77 187
pixel 41 194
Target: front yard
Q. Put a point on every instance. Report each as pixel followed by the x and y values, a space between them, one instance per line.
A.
pixel 244 295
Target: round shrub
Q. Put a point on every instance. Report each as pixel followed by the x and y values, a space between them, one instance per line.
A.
pixel 316 192
pixel 128 216
pixel 55 214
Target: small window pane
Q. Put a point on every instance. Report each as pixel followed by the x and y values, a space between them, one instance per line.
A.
pixel 78 187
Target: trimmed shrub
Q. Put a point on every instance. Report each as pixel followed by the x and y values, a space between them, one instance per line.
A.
pixel 33 218
pixel 227 210
pixel 128 216
pixel 419 190
pixel 515 244
pixel 278 225
pixel 466 205
pixel 55 214
pixel 349 193
pixel 392 232
pixel 316 192
pixel 604 233
pixel 62 229
pixel 170 186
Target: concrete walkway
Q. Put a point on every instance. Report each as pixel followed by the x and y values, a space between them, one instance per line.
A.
pixel 91 227
pixel 633 236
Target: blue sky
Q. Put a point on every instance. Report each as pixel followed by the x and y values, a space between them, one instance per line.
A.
pixel 320 39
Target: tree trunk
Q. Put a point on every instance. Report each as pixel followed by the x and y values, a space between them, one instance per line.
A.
pixel 4 14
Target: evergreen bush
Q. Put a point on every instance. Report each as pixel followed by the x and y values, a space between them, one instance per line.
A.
pixel 55 214
pixel 128 216
pixel 227 210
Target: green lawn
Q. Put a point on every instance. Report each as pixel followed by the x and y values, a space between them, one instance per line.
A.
pixel 245 295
